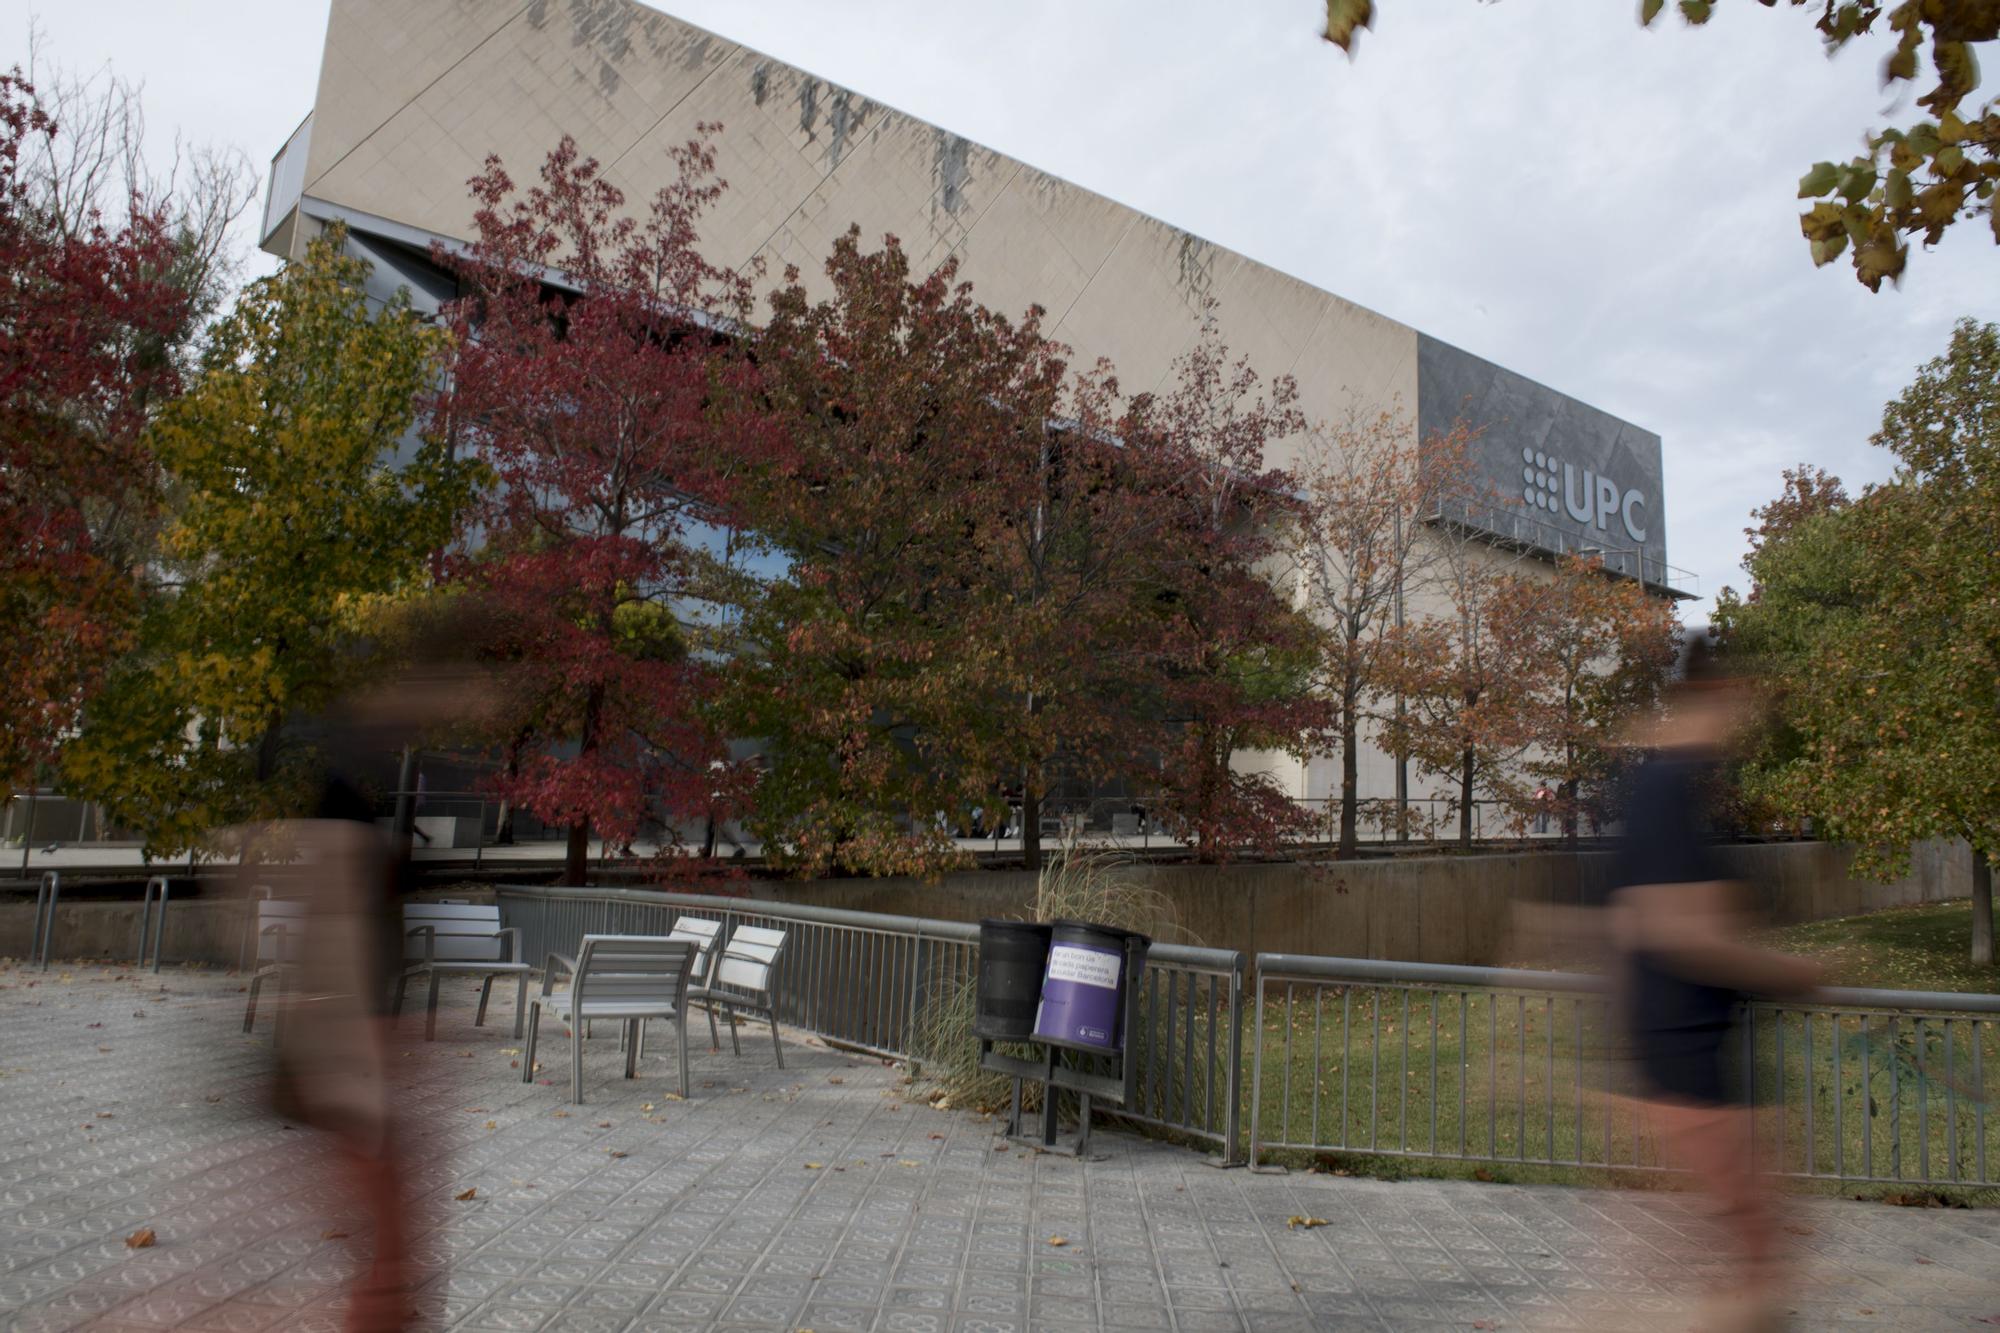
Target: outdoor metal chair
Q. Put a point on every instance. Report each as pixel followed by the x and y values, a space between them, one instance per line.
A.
pixel 623 978
pixel 702 933
pixel 698 931
pixel 280 935
pixel 742 980
pixel 460 939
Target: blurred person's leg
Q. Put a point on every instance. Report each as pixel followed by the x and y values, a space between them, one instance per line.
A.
pixel 1710 1137
pixel 339 1052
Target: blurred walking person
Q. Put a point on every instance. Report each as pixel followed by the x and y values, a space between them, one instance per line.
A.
pixel 333 1062
pixel 1679 926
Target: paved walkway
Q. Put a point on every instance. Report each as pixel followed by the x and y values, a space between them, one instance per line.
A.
pixel 816 1197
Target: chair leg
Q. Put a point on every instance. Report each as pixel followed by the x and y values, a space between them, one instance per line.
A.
pixel 431 1011
pixel 630 1037
pixel 776 1044
pixel 681 1026
pixel 485 994
pixel 520 1003
pixel 714 1037
pixel 729 1016
pixel 396 1001
pixel 642 1039
pixel 284 1005
pixel 528 1051
pixel 576 1062
pixel 250 1013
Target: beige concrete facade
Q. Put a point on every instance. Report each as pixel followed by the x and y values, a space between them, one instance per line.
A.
pixel 413 97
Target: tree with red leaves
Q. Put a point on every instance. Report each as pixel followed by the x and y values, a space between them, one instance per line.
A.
pixel 600 375
pixel 87 316
pixel 882 671
pixel 1234 657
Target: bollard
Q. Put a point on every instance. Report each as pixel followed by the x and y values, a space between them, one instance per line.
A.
pixel 46 894
pixel 159 927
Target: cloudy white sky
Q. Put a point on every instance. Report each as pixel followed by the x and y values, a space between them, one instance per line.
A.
pixel 1605 209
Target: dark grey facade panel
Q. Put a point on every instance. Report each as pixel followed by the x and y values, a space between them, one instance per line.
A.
pixel 1564 476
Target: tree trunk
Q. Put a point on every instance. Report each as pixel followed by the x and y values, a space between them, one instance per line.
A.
pixel 503 832
pixel 576 855
pixel 1031 825
pixel 1465 769
pixel 1350 800
pixel 1982 909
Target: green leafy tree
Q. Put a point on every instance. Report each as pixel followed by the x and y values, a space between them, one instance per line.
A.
pixel 873 669
pixel 298 495
pixel 1913 180
pixel 1881 627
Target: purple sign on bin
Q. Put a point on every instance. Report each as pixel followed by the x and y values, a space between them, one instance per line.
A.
pixel 1080 996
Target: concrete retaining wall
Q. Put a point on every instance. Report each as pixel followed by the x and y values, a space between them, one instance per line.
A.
pixel 1438 909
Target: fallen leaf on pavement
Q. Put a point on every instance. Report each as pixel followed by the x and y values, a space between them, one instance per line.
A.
pixel 141 1239
pixel 1058 1241
pixel 333 1235
pixel 472 1193
pixel 1297 1220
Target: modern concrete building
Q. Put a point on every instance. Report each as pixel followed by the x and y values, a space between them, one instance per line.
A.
pixel 413 97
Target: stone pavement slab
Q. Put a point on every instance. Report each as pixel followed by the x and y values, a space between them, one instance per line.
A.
pixel 814 1197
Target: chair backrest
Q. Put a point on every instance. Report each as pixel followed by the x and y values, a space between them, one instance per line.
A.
pixel 632 970
pixel 463 932
pixel 285 912
pixel 748 958
pixel 700 932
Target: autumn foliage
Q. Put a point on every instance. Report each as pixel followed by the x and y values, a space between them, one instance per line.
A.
pixel 597 377
pixel 85 313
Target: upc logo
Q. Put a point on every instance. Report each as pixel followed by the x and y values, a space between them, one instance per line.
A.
pixel 1556 487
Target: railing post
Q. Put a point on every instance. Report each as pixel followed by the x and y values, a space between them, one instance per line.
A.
pixel 1236 1063
pixel 914 1064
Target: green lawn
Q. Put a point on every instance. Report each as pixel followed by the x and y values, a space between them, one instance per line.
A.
pixel 1904 948
pixel 1422 1082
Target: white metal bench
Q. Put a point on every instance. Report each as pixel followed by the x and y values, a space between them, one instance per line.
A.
pixel 625 979
pixel 741 979
pixel 280 939
pixel 460 939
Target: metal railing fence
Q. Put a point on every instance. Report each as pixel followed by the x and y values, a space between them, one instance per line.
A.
pixel 867 981
pixel 1490 1065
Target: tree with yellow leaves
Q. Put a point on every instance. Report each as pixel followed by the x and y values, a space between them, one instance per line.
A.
pixel 298 494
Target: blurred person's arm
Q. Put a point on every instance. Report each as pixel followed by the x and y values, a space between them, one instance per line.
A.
pixel 1699 930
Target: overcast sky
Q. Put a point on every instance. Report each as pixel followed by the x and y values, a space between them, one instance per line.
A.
pixel 1608 210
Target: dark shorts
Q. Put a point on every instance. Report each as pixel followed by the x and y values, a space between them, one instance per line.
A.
pixel 1685 1067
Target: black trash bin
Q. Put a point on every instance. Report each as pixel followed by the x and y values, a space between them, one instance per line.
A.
pixel 1013 956
pixel 1091 971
